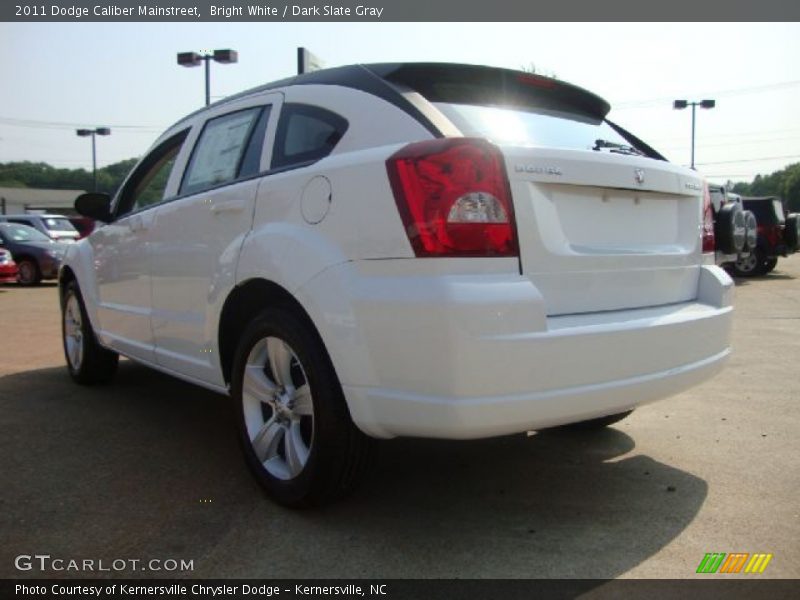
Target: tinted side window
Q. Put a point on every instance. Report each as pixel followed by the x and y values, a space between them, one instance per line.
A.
pixel 219 150
pixel 251 161
pixel 765 215
pixel 149 182
pixel 306 133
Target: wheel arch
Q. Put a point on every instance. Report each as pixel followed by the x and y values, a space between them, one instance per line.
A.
pixel 21 256
pixel 242 305
pixel 65 276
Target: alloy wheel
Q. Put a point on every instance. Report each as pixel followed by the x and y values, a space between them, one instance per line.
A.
pixel 278 408
pixel 73 332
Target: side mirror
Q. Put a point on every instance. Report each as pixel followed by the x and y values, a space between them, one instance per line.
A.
pixel 95 206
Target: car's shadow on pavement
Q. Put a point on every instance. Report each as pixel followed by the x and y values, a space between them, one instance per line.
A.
pixel 148 467
pixel 776 275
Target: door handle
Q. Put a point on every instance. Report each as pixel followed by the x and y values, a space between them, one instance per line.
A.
pixel 137 224
pixel 229 206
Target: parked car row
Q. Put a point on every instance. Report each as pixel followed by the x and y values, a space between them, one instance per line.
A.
pixel 37 256
pixel 56 227
pixel 752 233
pixel 36 243
pixel 778 235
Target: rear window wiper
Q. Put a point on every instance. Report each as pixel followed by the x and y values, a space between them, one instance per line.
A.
pixel 615 147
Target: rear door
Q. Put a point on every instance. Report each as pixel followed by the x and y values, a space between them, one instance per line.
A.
pixel 196 237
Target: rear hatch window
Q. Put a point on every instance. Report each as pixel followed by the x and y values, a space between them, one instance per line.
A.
pixel 552 129
pixel 515 108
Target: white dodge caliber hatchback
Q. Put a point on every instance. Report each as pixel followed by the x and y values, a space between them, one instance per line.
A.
pixel 385 250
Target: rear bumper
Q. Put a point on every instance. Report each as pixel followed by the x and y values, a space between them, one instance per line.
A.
pixel 469 357
pixel 390 413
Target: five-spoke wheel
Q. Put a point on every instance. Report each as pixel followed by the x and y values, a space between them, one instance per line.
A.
pixel 294 426
pixel 278 408
pixel 87 361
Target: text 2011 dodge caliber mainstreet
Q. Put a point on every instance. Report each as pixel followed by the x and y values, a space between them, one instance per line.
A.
pixel 372 251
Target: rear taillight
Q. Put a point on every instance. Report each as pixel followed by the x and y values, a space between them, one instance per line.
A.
pixel 774 234
pixel 454 198
pixel 707 234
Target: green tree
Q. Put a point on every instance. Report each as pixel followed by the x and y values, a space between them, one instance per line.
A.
pixel 784 183
pixel 42 175
pixel 791 187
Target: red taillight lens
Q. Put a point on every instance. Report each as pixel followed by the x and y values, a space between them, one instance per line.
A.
pixel 454 198
pixel 708 222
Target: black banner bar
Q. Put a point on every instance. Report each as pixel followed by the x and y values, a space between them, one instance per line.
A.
pixel 733 588
pixel 395 11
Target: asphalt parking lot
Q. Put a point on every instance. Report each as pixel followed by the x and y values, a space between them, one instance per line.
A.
pixel 148 467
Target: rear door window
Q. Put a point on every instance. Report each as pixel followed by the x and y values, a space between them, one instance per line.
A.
pixel 221 149
pixel 306 134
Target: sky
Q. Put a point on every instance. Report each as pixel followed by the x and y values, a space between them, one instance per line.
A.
pixel 60 76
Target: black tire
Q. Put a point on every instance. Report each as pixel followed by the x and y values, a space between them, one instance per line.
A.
pixel 769 265
pixel 599 423
pixel 309 451
pixel 729 229
pixel 751 265
pixel 28 272
pixel 751 231
pixel 88 362
pixel 791 233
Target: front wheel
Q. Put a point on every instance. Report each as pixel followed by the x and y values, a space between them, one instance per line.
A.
pixel 294 426
pixel 87 361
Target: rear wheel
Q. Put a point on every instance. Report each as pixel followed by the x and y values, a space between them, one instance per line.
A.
pixel 750 265
pixel 87 361
pixel 294 426
pixel 598 423
pixel 28 272
pixel 769 265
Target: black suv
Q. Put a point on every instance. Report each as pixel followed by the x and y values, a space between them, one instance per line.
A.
pixel 778 235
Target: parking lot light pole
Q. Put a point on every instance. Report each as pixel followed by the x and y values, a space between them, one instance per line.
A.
pixel 193 59
pixel 93 133
pixel 681 104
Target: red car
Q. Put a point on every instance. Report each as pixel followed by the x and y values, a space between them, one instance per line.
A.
pixel 8 268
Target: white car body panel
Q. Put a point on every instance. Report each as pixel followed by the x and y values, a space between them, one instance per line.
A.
pixel 121 263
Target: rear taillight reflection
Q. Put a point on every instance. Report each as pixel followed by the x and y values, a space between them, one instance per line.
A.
pixel 454 198
pixel 707 232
